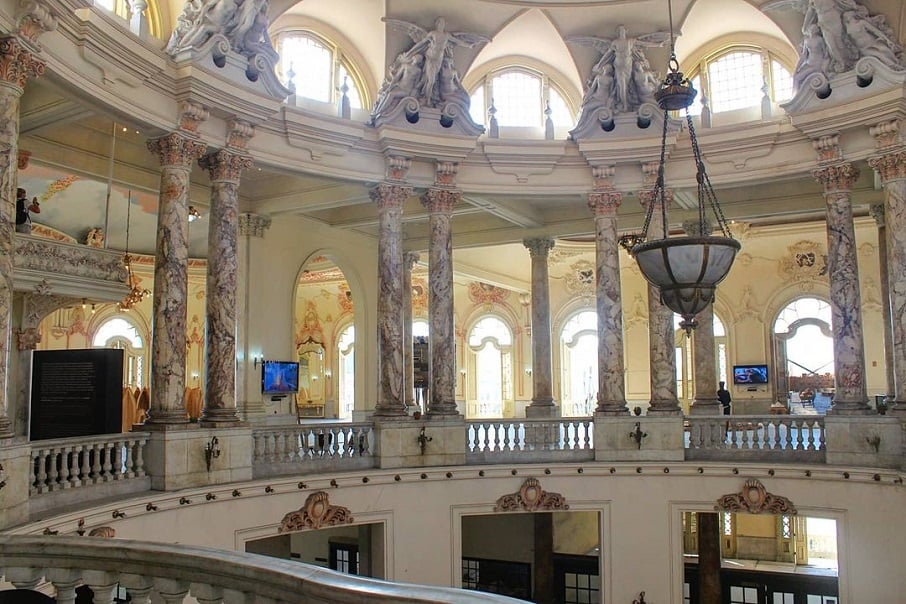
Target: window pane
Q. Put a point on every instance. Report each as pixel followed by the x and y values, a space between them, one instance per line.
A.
pixel 490 327
pixel 117 327
pixel 517 97
pixel 355 99
pixel 736 80
pixel 783 82
pixel 312 63
pixel 696 107
pixel 560 113
pixel 106 4
pixel 476 108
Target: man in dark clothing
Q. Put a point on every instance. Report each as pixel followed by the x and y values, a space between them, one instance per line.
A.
pixel 723 395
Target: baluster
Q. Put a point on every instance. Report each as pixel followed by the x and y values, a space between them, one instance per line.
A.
pixel 171 591
pixel 470 438
pixel 65 582
pixel 487 435
pixel 366 440
pixel 270 446
pixel 258 447
pixel 74 479
pixel 119 459
pixel 33 485
pixel 64 467
pixel 205 593
pixel 334 441
pixel 744 435
pixel 801 438
pixel 53 469
pixel 102 584
pixel 138 587
pixel 769 434
pixel 589 434
pixel 140 458
pixel 86 464
pixel 95 463
pixel 811 435
pixel 499 431
pixel 130 473
pixel 108 461
pixel 788 439
pixel 822 434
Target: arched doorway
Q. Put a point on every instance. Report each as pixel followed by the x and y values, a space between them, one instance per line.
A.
pixel 804 354
pixel 491 359
pixel 579 364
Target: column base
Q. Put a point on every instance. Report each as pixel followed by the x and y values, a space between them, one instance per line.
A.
pixel 219 418
pixel 542 411
pixel 446 409
pixel 669 408
pixel 851 408
pixel 706 406
pixel 158 425
pixel 389 412
pixel 611 408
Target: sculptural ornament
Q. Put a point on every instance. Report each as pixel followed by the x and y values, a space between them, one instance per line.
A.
pixel 426 72
pixel 242 22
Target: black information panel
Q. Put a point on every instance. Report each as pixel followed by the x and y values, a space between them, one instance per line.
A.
pixel 76 393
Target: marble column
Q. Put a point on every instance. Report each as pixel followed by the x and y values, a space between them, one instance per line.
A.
pixel 611 387
pixel 176 152
pixel 389 197
pixel 704 359
pixel 409 260
pixel 877 212
pixel 20 65
pixel 442 340
pixel 661 338
pixel 892 168
pixel 850 397
pixel 542 404
pixel 224 168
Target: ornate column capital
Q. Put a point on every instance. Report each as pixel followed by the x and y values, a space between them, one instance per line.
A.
pixel 837 178
pixel 28 338
pixel 877 212
pixel 17 63
pixel 648 197
pixel 253 225
pixel 34 19
pixel 890 166
pixel 388 194
pixel 224 165
pixel 409 259
pixel 602 203
pixel 539 247
pixel 441 200
pixel 176 150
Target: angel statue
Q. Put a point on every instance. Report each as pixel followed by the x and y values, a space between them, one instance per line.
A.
pixel 837 33
pixel 242 22
pixel 432 55
pixel 622 78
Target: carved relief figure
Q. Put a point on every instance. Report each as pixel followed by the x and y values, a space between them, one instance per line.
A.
pixel 426 71
pixel 243 22
pixel 622 78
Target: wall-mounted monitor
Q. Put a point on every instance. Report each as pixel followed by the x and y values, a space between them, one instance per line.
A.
pixel 279 377
pixel 750 374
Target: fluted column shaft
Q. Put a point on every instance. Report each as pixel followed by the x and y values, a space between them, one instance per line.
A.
pixel 225 168
pixel 176 152
pixel 661 345
pixel 19 64
pixel 409 260
pixel 892 168
pixel 845 298
pixel 542 365
pixel 389 197
pixel 611 386
pixel 440 202
pixel 704 383
pixel 877 212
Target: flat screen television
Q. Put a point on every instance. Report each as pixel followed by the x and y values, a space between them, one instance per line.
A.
pixel 278 377
pixel 750 374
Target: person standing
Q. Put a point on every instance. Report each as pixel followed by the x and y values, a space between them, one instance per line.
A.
pixel 23 219
pixel 723 395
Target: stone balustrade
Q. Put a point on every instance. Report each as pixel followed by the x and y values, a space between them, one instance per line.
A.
pixel 756 438
pixel 294 449
pixel 530 440
pixel 174 573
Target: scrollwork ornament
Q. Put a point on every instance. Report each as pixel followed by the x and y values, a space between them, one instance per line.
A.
pixel 755 499
pixel 223 165
pixel 17 64
pixel 891 166
pixel 389 194
pixel 837 178
pixel 531 498
pixel 176 150
pixel 539 247
pixel 33 20
pixel 604 202
pixel 314 514
pixel 441 200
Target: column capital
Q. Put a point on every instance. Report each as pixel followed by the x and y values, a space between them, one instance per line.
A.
pixel 176 150
pixel 837 178
pixel 253 225
pixel 191 114
pixel 389 194
pixel 827 148
pixel 539 247
pixel 886 134
pixel 34 19
pixel 890 166
pixel 649 196
pixel 225 165
pixel 239 132
pixel 17 63
pixel 602 203
pixel 28 338
pixel 397 167
pixel 437 200
pixel 877 212
pixel 445 173
pixel 409 259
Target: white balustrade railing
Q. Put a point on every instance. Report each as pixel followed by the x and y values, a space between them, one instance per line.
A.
pixel 161 572
pixel 776 437
pixel 86 460
pixel 293 448
pixel 530 440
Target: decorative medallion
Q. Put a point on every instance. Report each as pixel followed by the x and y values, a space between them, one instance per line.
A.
pixel 531 498
pixel 580 280
pixel 805 261
pixel 310 331
pixel 316 513
pixel 344 297
pixel 564 253
pixel 419 295
pixel 638 311
pixel 754 499
pixel 483 293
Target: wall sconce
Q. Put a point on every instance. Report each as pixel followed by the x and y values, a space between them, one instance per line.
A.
pixel 462 371
pixel 194 375
pixel 211 451
pixel 194 214
pixel 257 359
pixel 528 371
pixel 328 373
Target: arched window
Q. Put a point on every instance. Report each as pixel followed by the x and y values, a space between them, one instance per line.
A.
pixel 804 354
pixel 346 370
pixel 685 361
pixel 123 9
pixel 520 96
pixel 121 334
pixel 579 364
pixel 319 69
pixel 490 344
pixel 734 78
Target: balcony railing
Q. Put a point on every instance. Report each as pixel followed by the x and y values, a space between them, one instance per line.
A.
pixel 157 571
pixel 71 463
pixel 790 438
pixel 530 440
pixel 293 449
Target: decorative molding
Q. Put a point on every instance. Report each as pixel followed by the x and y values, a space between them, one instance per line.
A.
pixel 191 115
pixel 755 499
pixel 344 297
pixel 580 280
pixel 224 165
pixel 419 295
pixel 314 514
pixel 805 261
pixel 69 259
pixel 638 310
pixel 483 293
pixel 531 498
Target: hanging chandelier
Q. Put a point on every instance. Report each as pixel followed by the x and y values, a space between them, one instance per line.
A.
pixel 686 269
pixel 136 293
